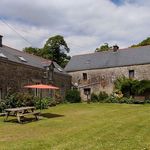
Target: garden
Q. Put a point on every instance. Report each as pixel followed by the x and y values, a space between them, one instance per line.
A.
pixel 81 126
pixel 116 121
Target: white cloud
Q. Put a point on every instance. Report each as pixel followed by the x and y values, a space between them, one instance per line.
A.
pixel 85 24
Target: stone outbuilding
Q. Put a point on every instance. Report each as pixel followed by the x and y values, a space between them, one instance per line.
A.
pixel 18 68
pixel 97 71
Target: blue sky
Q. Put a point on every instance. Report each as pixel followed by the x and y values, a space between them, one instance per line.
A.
pixel 84 24
pixel 118 2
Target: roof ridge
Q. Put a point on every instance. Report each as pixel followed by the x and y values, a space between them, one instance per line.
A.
pixel 112 51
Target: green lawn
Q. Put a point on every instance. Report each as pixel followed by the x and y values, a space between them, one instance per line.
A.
pixel 81 127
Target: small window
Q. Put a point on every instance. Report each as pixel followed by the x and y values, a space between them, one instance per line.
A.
pixel 2 55
pixel 84 76
pixel 22 59
pixel 131 74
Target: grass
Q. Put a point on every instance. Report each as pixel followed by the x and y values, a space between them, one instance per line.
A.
pixel 81 127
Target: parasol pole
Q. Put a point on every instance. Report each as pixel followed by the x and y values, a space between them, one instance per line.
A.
pixel 40 99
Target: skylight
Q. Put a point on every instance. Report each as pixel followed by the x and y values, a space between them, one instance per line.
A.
pixel 60 69
pixel 22 58
pixel 2 55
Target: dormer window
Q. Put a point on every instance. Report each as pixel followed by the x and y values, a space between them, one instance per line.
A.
pixel 2 55
pixel 22 58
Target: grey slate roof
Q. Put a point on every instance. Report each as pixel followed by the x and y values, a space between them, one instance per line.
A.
pixel 110 59
pixel 32 60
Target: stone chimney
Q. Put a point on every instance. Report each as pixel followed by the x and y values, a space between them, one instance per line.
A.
pixel 1 37
pixel 115 48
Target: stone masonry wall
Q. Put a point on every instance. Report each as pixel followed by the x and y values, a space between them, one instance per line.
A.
pixel 62 81
pixel 102 79
pixel 13 76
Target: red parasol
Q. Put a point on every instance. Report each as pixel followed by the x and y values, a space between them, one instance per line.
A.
pixel 42 86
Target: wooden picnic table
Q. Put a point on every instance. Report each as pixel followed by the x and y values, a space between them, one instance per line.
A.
pixel 21 112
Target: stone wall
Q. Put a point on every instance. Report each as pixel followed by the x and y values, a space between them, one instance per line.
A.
pixel 102 79
pixel 13 76
pixel 62 81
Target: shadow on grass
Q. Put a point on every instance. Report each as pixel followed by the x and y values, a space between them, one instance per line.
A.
pixel 24 121
pixel 49 115
pixel 32 119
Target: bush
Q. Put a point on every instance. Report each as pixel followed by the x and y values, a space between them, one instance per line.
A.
pixel 144 87
pixel 19 100
pixel 94 97
pixel 102 96
pixel 25 99
pixel 16 100
pixel 43 103
pixel 73 96
pixel 127 100
pixel 111 99
pixel 132 87
pixel 2 105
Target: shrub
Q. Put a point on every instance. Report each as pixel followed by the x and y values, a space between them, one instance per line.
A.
pixel 124 85
pixel 16 100
pixel 43 103
pixel 102 96
pixel 144 86
pixel 2 105
pixel 94 97
pixel 19 100
pixel 132 87
pixel 73 96
pixel 127 100
pixel 25 99
pixel 111 99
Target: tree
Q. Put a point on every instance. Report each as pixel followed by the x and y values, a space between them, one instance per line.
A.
pixel 104 47
pixel 32 50
pixel 54 49
pixel 143 43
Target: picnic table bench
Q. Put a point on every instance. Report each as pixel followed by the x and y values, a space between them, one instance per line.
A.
pixel 21 112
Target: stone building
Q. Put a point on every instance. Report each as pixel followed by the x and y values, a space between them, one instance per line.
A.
pixel 18 68
pixel 97 71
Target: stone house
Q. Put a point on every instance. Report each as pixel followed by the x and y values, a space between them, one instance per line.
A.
pixel 18 68
pixel 97 71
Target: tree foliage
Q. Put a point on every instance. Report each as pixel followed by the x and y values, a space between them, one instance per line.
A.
pixel 104 47
pixel 54 49
pixel 132 87
pixel 73 96
pixel 32 50
pixel 143 43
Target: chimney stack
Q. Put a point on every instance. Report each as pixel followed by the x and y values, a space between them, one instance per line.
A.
pixel 1 37
pixel 115 48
